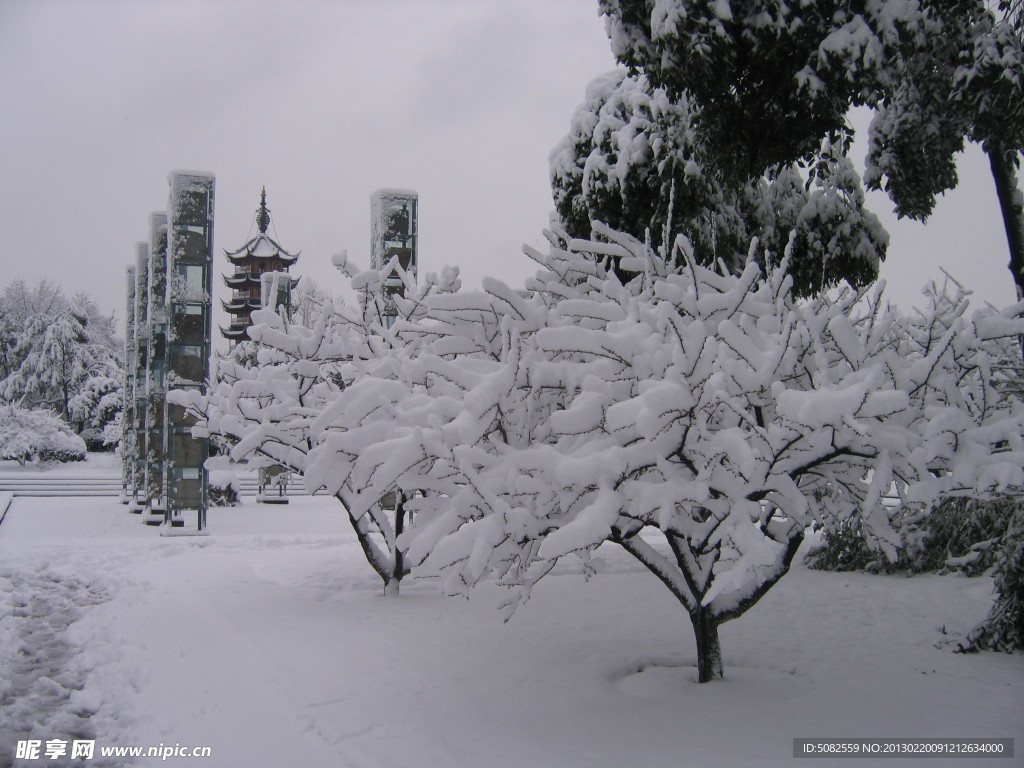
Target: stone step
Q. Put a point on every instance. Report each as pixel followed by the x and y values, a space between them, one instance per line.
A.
pixel 104 486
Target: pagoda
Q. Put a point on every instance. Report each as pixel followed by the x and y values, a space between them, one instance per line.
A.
pixel 261 255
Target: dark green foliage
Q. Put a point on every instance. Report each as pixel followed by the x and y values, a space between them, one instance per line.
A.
pixel 768 85
pixel 960 534
pixel 912 147
pixel 1003 630
pixel 633 161
pixel 844 548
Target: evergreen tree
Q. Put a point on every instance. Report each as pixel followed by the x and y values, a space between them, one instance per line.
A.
pixel 1003 629
pixel 962 79
pixel 53 347
pixel 634 160
pixel 771 80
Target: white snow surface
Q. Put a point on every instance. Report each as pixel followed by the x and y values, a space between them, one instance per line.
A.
pixel 270 642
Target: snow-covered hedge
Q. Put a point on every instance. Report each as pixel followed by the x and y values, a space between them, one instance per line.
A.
pixel 35 435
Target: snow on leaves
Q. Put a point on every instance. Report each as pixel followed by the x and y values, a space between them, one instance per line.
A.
pixel 700 420
pixel 713 410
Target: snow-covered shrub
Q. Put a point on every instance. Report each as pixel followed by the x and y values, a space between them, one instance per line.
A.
pixel 223 489
pixel 35 435
pixel 1003 630
pixel 843 548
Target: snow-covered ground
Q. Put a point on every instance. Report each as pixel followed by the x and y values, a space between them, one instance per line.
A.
pixel 269 641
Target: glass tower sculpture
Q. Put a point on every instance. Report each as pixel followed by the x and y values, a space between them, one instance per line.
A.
pixel 189 268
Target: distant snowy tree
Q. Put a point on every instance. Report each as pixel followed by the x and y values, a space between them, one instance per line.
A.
pixel 96 406
pixel 37 435
pixel 56 350
pixel 634 161
pixel 56 357
pixel 21 301
pixel 701 421
pixel 308 300
pixel 8 342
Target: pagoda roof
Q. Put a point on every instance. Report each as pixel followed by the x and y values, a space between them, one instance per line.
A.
pixel 243 280
pixel 235 333
pixel 262 246
pixel 241 305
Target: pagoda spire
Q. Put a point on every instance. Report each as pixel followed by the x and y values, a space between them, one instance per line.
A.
pixel 263 214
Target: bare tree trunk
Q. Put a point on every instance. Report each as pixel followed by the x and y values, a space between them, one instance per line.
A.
pixel 1011 203
pixel 378 560
pixel 391 585
pixel 709 649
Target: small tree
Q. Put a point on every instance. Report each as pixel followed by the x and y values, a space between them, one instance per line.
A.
pixel 281 405
pixel 97 406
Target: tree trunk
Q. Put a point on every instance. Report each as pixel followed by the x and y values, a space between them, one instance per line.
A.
pixel 399 571
pixel 377 559
pixel 1011 203
pixel 709 649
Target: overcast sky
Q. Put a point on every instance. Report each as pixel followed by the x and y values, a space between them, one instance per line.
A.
pixel 323 102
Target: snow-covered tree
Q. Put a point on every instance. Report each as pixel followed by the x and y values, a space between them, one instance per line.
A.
pixel 54 348
pixel 56 357
pixel 634 160
pixel 700 420
pixel 279 406
pixel 962 79
pixel 770 80
pixel 96 407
